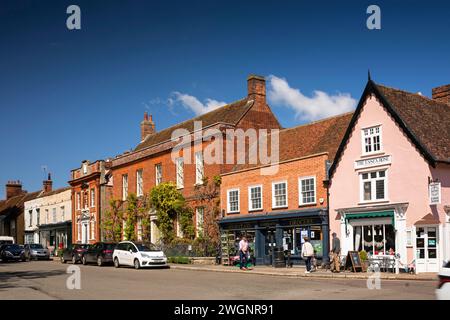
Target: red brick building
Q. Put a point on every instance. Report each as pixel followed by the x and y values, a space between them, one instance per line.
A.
pixel 276 211
pixel 151 163
pixel 91 191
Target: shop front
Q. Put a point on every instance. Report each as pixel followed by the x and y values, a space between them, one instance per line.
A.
pixel 269 233
pixel 57 235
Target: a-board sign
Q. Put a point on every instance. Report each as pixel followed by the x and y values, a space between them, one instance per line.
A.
pixel 353 261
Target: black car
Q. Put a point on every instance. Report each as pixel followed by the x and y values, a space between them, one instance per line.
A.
pixel 99 253
pixel 11 252
pixel 74 253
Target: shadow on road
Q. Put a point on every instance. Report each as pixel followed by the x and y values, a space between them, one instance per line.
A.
pixel 7 279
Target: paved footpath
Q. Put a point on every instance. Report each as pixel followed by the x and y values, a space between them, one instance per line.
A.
pixel 47 280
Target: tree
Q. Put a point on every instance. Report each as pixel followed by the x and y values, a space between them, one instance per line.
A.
pixel 129 231
pixel 168 203
pixel 111 223
pixel 208 196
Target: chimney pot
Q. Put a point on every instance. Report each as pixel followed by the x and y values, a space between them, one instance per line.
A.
pixel 13 188
pixel 147 126
pixel 442 94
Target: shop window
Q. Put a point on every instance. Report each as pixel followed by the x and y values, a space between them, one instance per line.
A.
pixel 233 201
pixel 374 238
pixel 373 186
pixel 279 194
pixel 371 140
pixel 307 187
pixel 255 198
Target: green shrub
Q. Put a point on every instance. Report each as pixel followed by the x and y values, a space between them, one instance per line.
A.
pixel 363 255
pixel 178 260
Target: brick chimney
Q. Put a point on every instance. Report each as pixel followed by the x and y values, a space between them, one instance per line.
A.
pixel 47 184
pixel 256 86
pixel 147 126
pixel 442 94
pixel 13 188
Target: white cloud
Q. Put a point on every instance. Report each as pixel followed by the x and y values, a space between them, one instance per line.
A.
pixel 193 104
pixel 319 106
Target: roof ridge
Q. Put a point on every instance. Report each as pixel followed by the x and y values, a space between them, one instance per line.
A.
pixel 196 117
pixel 318 121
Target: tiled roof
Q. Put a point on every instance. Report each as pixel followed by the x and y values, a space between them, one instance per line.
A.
pixel 427 119
pixel 46 194
pixel 17 202
pixel 230 113
pixel 308 139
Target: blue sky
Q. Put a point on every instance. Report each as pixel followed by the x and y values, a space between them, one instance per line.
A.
pixel 67 95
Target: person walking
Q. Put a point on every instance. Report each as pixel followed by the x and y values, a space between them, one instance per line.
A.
pixel 243 251
pixel 335 265
pixel 307 253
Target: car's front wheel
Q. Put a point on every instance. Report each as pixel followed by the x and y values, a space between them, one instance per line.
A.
pixel 137 265
pixel 116 263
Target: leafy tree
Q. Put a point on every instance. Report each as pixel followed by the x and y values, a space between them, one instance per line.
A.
pixel 168 202
pixel 111 223
pixel 132 211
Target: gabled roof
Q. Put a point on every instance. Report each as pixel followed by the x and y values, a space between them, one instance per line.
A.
pixel 230 114
pixel 308 139
pixel 425 122
pixel 16 202
pixel 50 193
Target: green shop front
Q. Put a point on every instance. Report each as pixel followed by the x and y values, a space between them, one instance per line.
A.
pixel 275 232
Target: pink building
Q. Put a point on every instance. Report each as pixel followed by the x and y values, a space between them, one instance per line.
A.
pixel 390 182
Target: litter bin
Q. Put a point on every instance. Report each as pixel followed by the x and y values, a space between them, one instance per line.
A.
pixel 279 258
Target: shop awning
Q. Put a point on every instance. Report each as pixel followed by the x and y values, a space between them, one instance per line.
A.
pixel 370 214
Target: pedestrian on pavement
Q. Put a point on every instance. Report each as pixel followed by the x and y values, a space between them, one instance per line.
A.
pixel 243 250
pixel 335 264
pixel 307 253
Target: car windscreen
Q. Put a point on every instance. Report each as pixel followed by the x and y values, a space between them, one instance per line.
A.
pixel 36 246
pixel 12 247
pixel 147 247
pixel 110 246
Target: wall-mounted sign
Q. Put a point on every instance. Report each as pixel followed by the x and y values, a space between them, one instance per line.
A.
pixel 434 190
pixel 372 162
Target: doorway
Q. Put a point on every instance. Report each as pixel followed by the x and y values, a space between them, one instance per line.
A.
pixel 427 243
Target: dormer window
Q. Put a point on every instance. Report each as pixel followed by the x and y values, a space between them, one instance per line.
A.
pixel 371 140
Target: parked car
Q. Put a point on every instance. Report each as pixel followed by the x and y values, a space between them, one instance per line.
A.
pixel 443 290
pixel 11 252
pixel 74 253
pixel 100 253
pixel 138 255
pixel 6 240
pixel 36 251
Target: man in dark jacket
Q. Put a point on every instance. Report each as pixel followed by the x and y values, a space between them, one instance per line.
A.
pixel 335 264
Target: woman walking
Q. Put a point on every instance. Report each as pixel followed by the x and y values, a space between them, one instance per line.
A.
pixel 307 253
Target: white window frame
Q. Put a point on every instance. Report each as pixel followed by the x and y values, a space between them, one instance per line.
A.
pixel 199 167
pixel 92 197
pixel 274 206
pixel 371 136
pixel 91 229
pixel 238 200
pixel 78 196
pixel 140 229
pixel 124 187
pixel 158 173
pixel 250 203
pixel 79 226
pixel 63 213
pixel 373 187
pixel 179 163
pixel 198 225
pixel 300 192
pixel 140 182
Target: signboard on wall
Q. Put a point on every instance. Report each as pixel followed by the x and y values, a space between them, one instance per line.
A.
pixel 372 162
pixel 434 190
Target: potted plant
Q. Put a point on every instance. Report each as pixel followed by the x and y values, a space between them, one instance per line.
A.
pixel 364 259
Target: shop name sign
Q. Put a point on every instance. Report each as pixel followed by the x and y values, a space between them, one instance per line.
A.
pixel 372 162
pixel 434 190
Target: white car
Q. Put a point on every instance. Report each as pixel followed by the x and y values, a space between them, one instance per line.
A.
pixel 443 290
pixel 138 255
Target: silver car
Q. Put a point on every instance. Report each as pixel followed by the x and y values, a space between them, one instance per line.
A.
pixel 35 252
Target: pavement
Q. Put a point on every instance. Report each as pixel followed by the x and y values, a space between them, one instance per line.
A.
pixel 48 280
pixel 299 272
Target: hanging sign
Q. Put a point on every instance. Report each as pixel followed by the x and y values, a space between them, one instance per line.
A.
pixel 434 190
